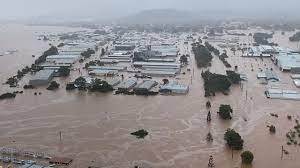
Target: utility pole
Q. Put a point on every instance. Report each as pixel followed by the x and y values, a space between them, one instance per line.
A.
pixel 60 137
pixel 281 152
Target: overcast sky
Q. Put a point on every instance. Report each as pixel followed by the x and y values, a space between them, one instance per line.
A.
pixel 19 9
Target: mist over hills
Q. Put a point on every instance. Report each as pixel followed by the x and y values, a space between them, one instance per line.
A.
pixel 162 16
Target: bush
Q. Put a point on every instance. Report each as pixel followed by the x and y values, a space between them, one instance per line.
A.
pixel 140 134
pixel 247 157
pixel 272 129
pixel 99 85
pixel 88 53
pixel 53 85
pixel 51 51
pixel 7 96
pixel 28 87
pixel 233 139
pixel 225 112
pixel 234 77
pixel 64 71
pixel 80 83
pixel 208 104
pixel 70 86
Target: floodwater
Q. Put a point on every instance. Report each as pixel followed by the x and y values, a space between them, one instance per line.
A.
pixel 96 127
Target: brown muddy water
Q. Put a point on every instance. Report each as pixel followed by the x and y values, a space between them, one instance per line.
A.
pixel 96 127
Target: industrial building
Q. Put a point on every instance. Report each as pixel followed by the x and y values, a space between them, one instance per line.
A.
pixel 156 64
pixel 113 82
pixel 288 62
pixel 103 72
pixel 124 47
pixel 174 87
pixel 158 73
pixel 42 77
pixel 268 75
pixel 282 94
pixel 115 68
pixel 261 51
pixel 62 59
pixel 127 85
pixel 145 87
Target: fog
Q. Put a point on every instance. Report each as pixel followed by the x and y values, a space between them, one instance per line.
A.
pixel 112 9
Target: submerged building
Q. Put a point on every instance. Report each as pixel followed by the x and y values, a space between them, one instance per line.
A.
pixel 288 62
pixel 42 77
pixel 145 87
pixel 174 87
pixel 127 85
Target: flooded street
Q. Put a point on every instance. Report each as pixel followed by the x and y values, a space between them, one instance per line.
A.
pixel 96 127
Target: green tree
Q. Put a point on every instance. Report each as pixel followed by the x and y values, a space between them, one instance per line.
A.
pixel 64 71
pixel 233 139
pixel 53 86
pixel 183 59
pixel 225 111
pixel 99 85
pixel 247 157
pixel 102 51
pixel 80 83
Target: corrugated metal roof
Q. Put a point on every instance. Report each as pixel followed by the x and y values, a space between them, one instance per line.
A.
pixel 128 83
pixel 147 84
pixel 43 74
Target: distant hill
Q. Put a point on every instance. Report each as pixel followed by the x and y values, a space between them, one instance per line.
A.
pixel 160 16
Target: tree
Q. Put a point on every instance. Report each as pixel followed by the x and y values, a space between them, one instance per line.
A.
pixel 12 81
pixel 53 85
pixel 80 83
pixel 183 59
pixel 203 56
pixel 60 45
pixel 208 104
pixel 64 71
pixel 272 129
pixel 7 96
pixel 99 85
pixel 51 51
pixel 234 77
pixel 102 51
pixel 165 81
pixel 215 83
pixel 88 53
pixel 247 157
pixel 233 139
pixel 225 112
pixel 19 74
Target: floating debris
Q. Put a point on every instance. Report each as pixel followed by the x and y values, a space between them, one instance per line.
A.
pixel 140 134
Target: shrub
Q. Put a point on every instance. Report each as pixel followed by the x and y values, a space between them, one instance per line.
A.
pixel 272 129
pixel 247 157
pixel 64 71
pixel 53 85
pixel 225 111
pixel 7 96
pixel 233 139
pixel 99 85
pixel 140 134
